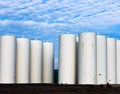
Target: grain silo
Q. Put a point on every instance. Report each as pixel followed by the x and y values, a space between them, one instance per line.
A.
pixel 8 59
pixel 101 59
pixel 87 58
pixel 111 60
pixel 23 60
pixel 48 62
pixel 67 58
pixel 36 61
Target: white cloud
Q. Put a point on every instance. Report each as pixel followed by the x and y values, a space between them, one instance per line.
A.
pixel 4 23
pixel 36 20
pixel 83 13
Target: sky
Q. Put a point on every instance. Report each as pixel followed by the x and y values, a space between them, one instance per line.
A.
pixel 47 19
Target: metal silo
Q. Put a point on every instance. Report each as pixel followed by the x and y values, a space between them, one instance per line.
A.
pixel 87 58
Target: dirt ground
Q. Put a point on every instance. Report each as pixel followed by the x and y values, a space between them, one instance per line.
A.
pixel 58 89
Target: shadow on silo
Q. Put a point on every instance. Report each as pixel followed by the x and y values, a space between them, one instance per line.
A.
pixel 56 76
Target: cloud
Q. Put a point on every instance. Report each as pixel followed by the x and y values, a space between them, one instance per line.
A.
pixel 46 19
pixel 88 13
pixel 59 15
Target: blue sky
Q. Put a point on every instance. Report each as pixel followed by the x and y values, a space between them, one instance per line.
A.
pixel 46 19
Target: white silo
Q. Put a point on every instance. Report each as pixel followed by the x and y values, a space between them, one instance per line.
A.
pixel 36 61
pixel 8 59
pixel 111 60
pixel 23 60
pixel 87 58
pixel 101 59
pixel 48 62
pixel 67 59
pixel 118 60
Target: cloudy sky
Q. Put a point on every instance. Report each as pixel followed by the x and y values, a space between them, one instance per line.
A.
pixel 46 19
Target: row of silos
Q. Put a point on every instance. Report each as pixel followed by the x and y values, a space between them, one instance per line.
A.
pixel 25 61
pixel 85 59
pixel 95 59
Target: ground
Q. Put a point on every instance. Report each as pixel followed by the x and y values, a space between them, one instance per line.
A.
pixel 58 89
